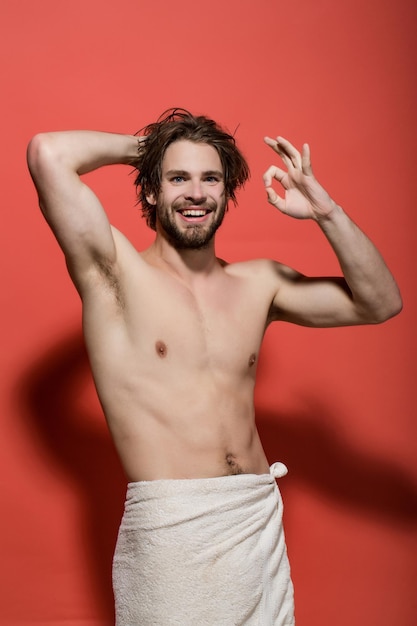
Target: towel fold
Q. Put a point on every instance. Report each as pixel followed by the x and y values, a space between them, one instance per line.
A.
pixel 203 552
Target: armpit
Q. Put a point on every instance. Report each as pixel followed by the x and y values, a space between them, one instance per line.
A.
pixel 108 273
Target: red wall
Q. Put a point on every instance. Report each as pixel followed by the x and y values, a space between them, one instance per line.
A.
pixel 338 406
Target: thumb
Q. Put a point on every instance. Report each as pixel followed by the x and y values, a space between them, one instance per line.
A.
pixel 274 199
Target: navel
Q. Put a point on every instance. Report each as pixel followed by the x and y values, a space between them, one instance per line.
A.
pixel 161 349
pixel 252 359
pixel 233 466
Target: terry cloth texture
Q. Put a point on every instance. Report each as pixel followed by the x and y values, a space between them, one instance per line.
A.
pixel 203 552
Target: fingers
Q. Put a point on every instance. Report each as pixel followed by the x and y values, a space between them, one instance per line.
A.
pixel 274 199
pixel 298 166
pixel 274 172
pixel 306 160
pixel 287 152
pixel 291 157
pixel 278 174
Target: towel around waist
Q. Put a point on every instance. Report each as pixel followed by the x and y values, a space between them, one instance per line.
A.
pixel 203 551
pixel 158 503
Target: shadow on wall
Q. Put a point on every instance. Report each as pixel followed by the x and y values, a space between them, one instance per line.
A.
pixel 77 441
pixel 319 458
pixel 316 455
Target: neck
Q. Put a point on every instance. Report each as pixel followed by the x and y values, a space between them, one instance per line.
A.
pixel 186 263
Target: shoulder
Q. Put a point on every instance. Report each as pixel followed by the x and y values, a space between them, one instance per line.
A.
pixel 262 269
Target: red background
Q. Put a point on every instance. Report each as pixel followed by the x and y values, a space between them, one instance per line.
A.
pixel 337 406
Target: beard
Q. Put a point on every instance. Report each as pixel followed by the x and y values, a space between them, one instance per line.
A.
pixel 193 236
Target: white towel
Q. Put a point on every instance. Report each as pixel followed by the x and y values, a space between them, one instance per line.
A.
pixel 203 552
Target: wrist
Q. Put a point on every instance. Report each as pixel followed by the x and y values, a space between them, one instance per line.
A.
pixel 134 149
pixel 130 150
pixel 334 213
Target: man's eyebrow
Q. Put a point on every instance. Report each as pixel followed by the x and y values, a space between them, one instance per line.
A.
pixel 217 173
pixel 176 173
pixel 213 173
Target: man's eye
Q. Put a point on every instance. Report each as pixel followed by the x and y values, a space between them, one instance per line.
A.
pixel 212 179
pixel 177 179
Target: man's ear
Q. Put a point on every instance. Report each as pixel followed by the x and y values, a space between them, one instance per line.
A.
pixel 151 199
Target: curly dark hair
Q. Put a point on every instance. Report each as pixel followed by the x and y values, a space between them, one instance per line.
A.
pixel 173 125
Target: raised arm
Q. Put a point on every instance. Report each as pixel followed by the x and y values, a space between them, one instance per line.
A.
pixel 56 162
pixel 368 292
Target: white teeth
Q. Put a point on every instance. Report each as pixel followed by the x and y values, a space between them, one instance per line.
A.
pixel 193 213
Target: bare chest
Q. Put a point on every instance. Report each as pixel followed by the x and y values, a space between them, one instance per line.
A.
pixel 218 325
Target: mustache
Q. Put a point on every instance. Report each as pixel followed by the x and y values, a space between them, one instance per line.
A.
pixel 204 203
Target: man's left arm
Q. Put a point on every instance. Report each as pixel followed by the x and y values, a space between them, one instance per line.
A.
pixel 368 293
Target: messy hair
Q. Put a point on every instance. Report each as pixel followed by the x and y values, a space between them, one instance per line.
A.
pixel 178 124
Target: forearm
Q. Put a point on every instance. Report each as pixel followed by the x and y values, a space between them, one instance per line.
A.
pixel 374 290
pixel 80 151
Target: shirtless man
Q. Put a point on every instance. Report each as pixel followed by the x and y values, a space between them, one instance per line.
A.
pixel 173 335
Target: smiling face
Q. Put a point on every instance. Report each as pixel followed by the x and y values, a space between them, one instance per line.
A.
pixel 192 201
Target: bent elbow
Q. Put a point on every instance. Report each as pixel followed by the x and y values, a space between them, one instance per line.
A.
pixel 38 153
pixel 389 310
pixel 396 307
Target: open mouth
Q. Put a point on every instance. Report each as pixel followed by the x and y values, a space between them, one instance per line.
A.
pixel 194 213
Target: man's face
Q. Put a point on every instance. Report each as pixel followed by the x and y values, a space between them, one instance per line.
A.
pixel 191 204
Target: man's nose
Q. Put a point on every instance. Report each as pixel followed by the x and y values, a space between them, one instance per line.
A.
pixel 195 191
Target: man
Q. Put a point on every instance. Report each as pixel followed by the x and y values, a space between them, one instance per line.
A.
pixel 173 335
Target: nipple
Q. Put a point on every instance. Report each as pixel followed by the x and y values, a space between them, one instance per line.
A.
pixel 161 349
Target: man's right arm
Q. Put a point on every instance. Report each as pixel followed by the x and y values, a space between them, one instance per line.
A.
pixel 56 162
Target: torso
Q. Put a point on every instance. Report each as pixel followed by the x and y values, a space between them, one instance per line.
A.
pixel 175 363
